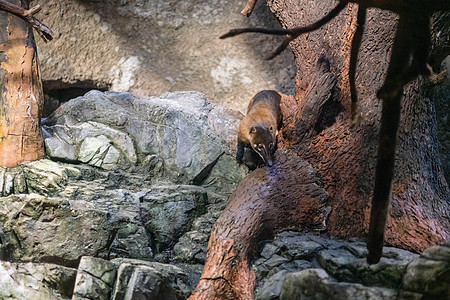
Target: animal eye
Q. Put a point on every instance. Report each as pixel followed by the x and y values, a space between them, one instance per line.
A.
pixel 271 145
pixel 271 128
pixel 260 146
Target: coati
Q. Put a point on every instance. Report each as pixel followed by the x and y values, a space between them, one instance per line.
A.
pixel 259 128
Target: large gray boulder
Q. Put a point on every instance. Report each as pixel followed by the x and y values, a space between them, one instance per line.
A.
pixel 95 279
pixel 316 284
pixel 88 218
pixel 179 136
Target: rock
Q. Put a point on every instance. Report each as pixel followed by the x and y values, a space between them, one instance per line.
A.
pixel 95 278
pixel 297 245
pixel 179 137
pixel 275 261
pixel 168 212
pixel 293 252
pixel 268 250
pixel 316 284
pixel 272 287
pixel 427 275
pixel 149 280
pixel 297 265
pixel 193 245
pixel 358 249
pixel 336 261
pixel 44 177
pixel 439 252
pixel 148 48
pixel 104 219
pixel 398 254
pixel 35 281
pixel 40 229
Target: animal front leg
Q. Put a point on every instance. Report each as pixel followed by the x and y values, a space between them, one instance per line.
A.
pixel 240 151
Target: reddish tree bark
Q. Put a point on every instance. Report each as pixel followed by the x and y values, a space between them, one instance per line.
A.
pixel 345 157
pixel 288 195
pixel 318 131
pixel 21 93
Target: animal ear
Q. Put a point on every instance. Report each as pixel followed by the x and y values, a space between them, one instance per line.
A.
pixel 252 130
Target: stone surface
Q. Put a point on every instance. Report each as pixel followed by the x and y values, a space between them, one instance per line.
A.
pixel 150 47
pixel 149 280
pixel 311 266
pixel 272 287
pixel 316 284
pixel 430 276
pixel 180 137
pixel 95 278
pixel 193 245
pixel 116 202
pixel 35 281
pixel 44 177
pixel 40 229
pixel 169 212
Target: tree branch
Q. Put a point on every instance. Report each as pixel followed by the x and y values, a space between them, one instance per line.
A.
pixel 248 9
pixel 28 16
pixel 292 33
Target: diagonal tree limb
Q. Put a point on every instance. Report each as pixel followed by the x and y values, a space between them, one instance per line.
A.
pixel 248 9
pixel 292 33
pixel 28 16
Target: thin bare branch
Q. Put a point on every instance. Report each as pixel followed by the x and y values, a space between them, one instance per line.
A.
pixel 28 16
pixel 248 9
pixel 292 33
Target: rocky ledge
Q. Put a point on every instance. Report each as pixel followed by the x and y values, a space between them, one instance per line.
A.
pixel 124 205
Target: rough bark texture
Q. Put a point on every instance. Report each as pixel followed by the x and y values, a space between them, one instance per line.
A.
pixel 318 129
pixel 21 92
pixel 288 195
pixel 345 157
pixel 28 16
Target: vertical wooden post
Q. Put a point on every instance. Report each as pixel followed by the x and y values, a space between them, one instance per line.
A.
pixel 21 95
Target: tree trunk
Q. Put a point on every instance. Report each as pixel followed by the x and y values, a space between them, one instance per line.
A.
pixel 21 92
pixel 345 157
pixel 321 147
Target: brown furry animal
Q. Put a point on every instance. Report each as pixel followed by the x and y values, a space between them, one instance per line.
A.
pixel 259 128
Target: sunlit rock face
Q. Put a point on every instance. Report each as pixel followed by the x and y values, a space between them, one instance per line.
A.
pixel 178 136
